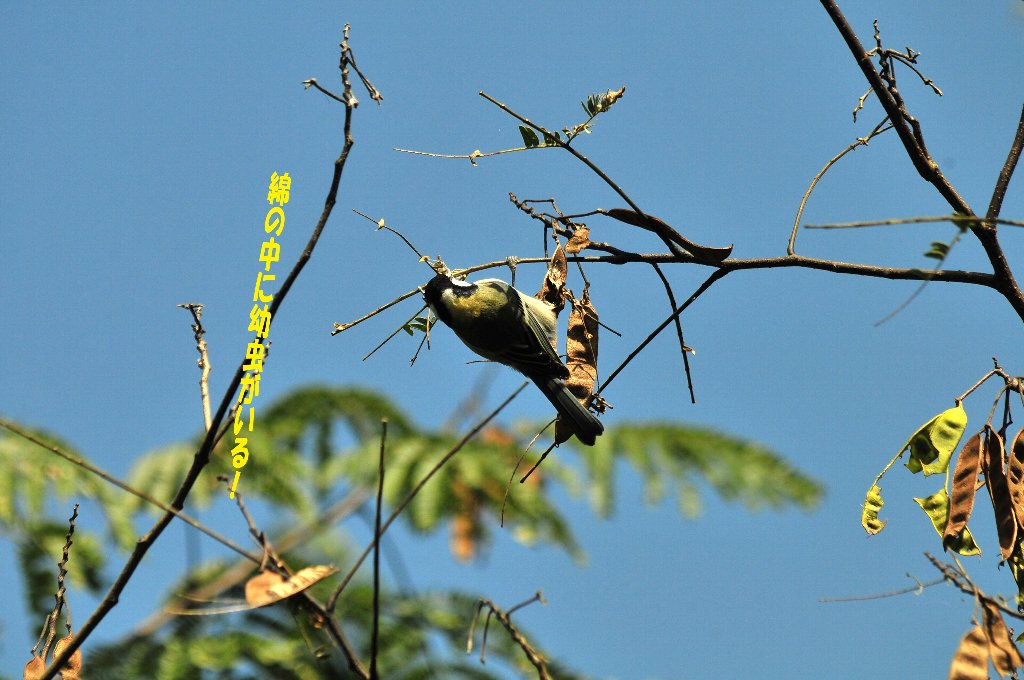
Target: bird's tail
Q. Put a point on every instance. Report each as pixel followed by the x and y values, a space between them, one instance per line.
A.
pixel 581 421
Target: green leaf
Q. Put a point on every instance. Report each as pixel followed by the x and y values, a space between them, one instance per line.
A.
pixel 869 514
pixel 551 139
pixel 938 250
pixel 530 139
pixel 934 442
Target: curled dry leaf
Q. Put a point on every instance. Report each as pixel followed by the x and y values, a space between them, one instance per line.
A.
pixel 552 291
pixel 971 659
pixel 1015 477
pixel 965 484
pixel 999 492
pixel 581 347
pixel 1005 656
pixel 663 229
pixel 269 587
pixel 869 513
pixel 580 239
pixel 581 354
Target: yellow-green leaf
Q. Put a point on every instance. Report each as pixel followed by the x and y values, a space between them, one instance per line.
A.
pixel 934 442
pixel 869 513
pixel 936 507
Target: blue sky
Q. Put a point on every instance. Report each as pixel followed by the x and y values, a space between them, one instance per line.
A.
pixel 138 140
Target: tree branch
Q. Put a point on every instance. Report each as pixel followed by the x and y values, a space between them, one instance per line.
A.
pixel 202 456
pixel 923 162
pixel 1003 279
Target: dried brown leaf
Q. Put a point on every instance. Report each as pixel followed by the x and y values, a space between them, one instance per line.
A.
pixel 965 484
pixel 581 347
pixel 552 291
pixel 34 669
pixel 580 240
pixel 999 492
pixel 1005 656
pixel 971 659
pixel 268 587
pixel 74 662
pixel 581 355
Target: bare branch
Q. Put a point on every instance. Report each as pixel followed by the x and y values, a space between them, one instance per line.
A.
pixel 683 349
pixel 996 204
pixel 376 551
pixel 204 358
pixel 962 220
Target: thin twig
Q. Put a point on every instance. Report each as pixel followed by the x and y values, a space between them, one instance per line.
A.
pixel 963 220
pixel 861 141
pixel 394 333
pixel 958 577
pixel 532 655
pixel 710 281
pixel 881 596
pixel 376 551
pixel 49 631
pixel 683 349
pixel 204 358
pixel 380 225
pixel 341 327
pixel 333 600
pixel 471 157
pixel 537 464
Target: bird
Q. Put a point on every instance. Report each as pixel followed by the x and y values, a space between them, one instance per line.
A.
pixel 505 325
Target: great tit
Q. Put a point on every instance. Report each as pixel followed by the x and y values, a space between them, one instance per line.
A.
pixel 502 324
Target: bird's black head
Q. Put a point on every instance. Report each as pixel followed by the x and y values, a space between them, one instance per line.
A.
pixel 435 289
pixel 432 291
